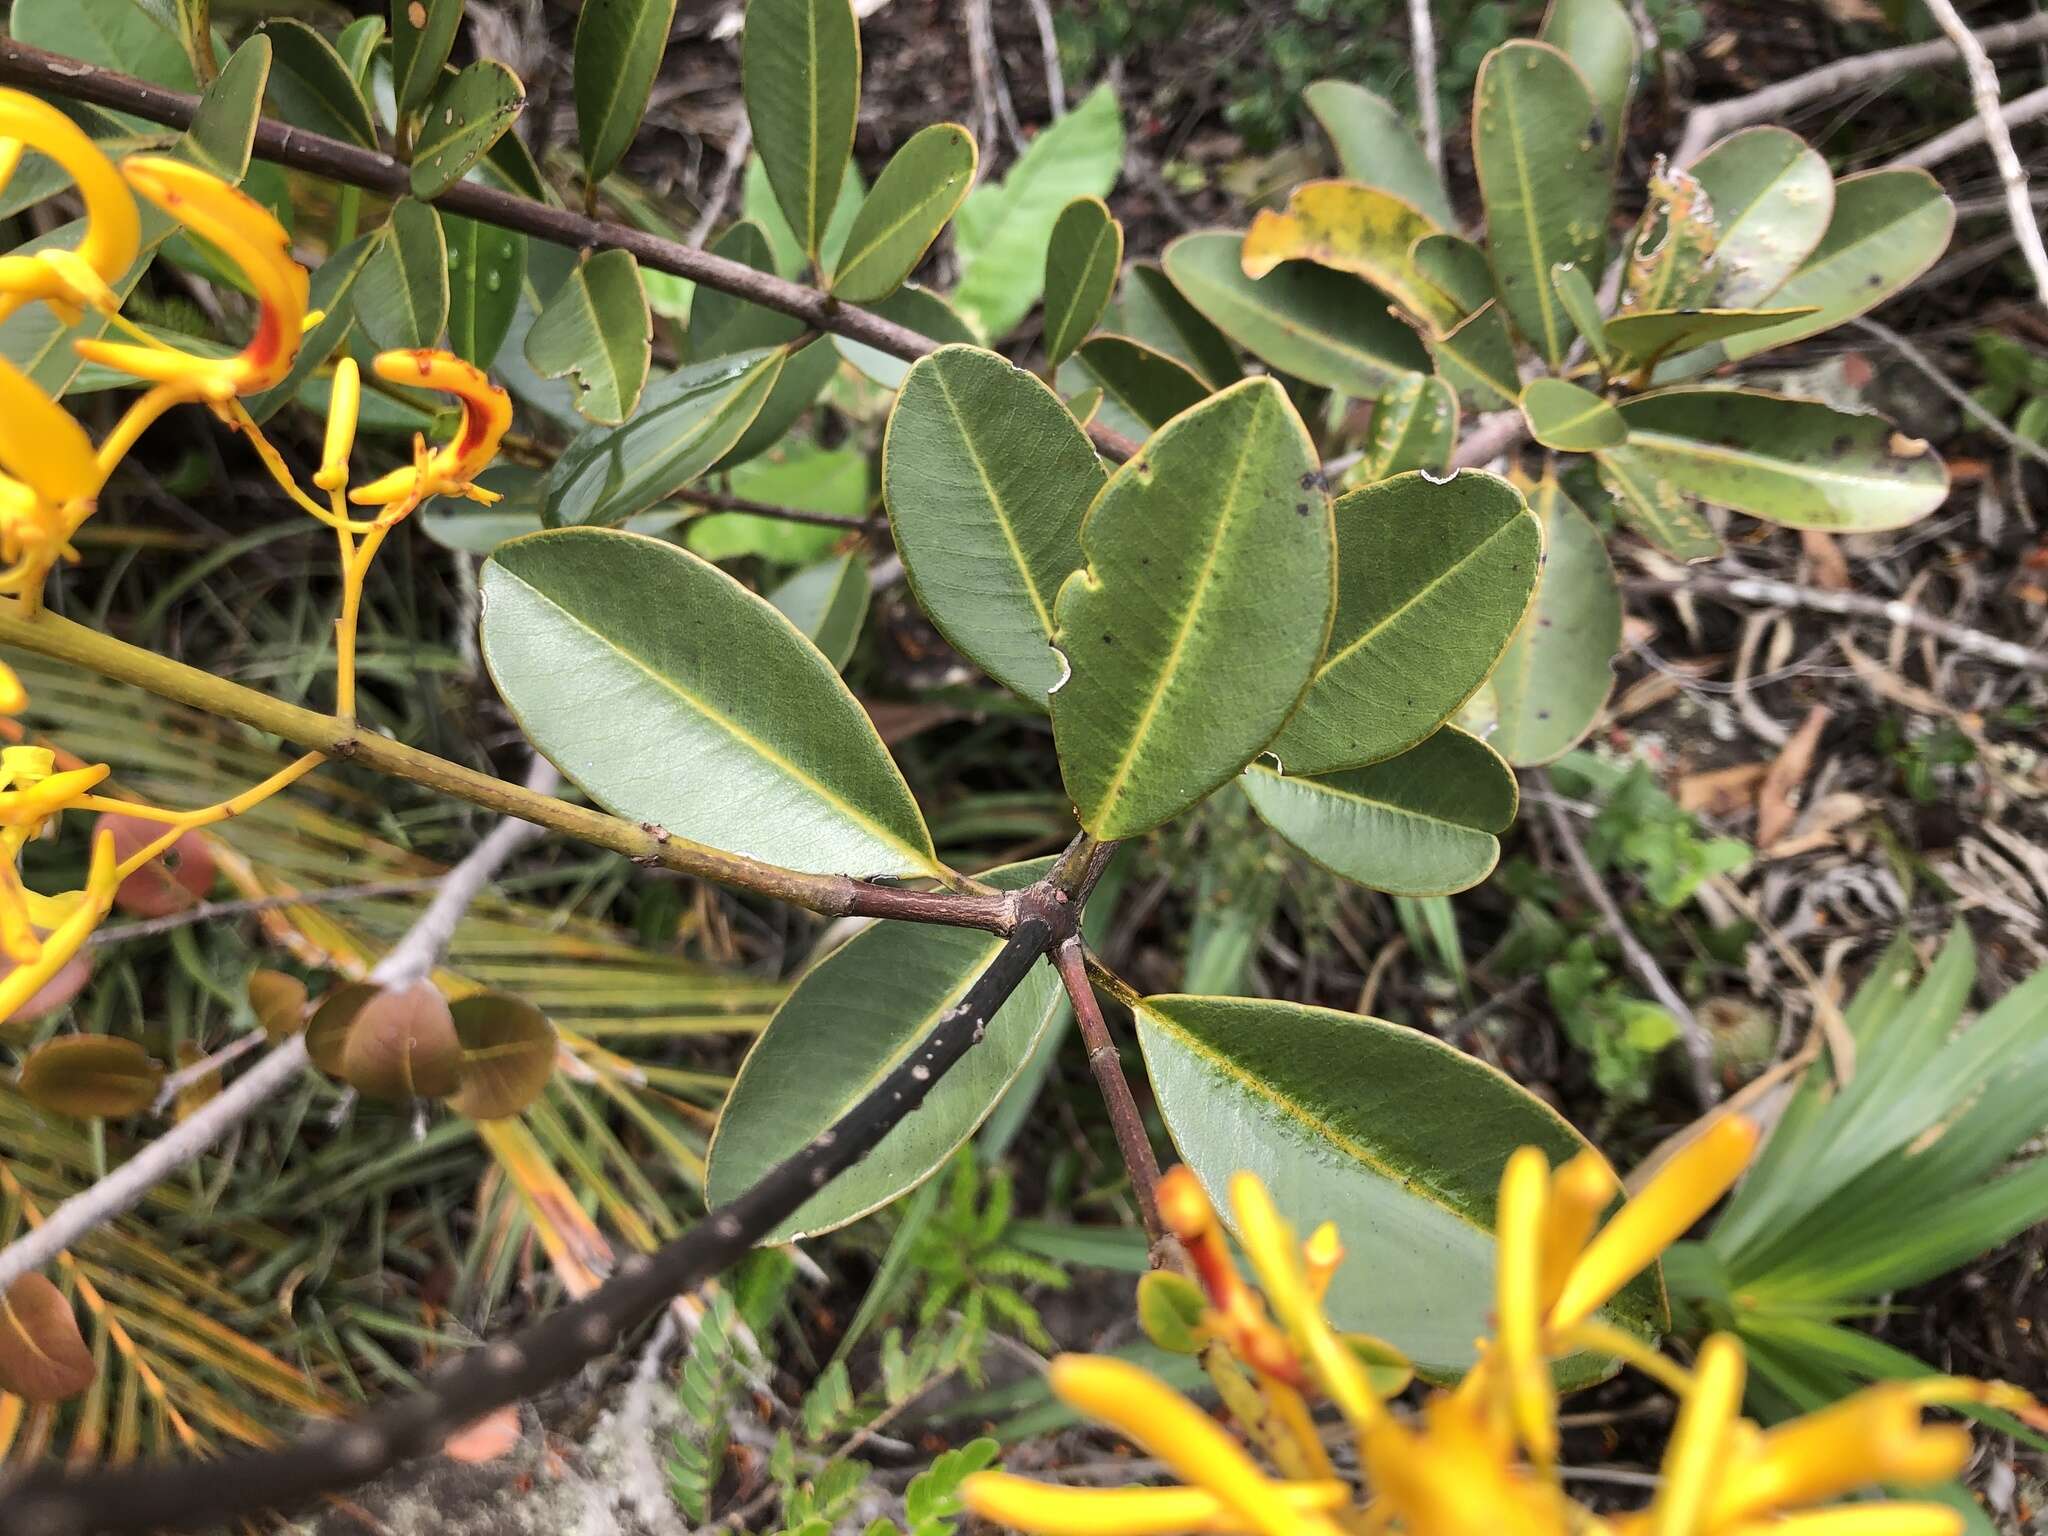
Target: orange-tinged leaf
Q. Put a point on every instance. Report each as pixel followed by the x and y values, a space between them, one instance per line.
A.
pixel 43 1357
pixel 1354 228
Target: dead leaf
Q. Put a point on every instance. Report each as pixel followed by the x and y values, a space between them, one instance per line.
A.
pixel 1775 811
pixel 1721 791
pixel 43 1358
pixel 1824 554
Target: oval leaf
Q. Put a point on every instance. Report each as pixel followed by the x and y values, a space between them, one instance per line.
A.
pixel 1357 229
pixel 987 479
pixel 1142 390
pixel 619 44
pixel 1559 668
pixel 1570 419
pixel 486 268
pixel 92 1077
pixel 1540 148
pixel 1599 37
pixel 827 602
pixel 1394 1136
pixel 1414 426
pixel 401 300
pixel 1195 625
pixel 1654 507
pixel 1773 196
pixel 422 33
pixel 1375 145
pixel 508 1055
pixel 1421 824
pixel 1327 327
pixel 1432 581
pixel 1153 311
pixel 598 329
pixel 673 695
pixel 1081 265
pixel 465 116
pixel 1797 463
pixel 800 73
pixel 312 87
pixel 1477 359
pixel 850 1019
pixel 921 310
pixel 1643 337
pixel 918 191
pixel 43 1357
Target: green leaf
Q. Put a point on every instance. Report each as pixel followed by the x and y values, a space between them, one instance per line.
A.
pixel 1477 359
pixel 1184 658
pixel 1153 311
pixel 741 735
pixel 1569 419
pixel 1558 670
pixel 1375 145
pixel 987 479
pixel 918 308
pixel 1600 38
pixel 911 201
pixel 512 166
pixel 1392 1135
pixel 312 87
pixel 1081 265
pixel 1141 389
pixel 486 267
pixel 1670 252
pixel 402 298
pixel 422 33
pixel 1005 228
pixel 1887 228
pixel 1543 177
pixel 830 480
pixel 223 130
pixel 1357 229
pixel 758 206
pixel 848 1021
pixel 357 44
pixel 685 423
pixel 721 324
pixel 828 602
pixel 597 328
pixel 1432 579
pixel 114 34
pixel 1773 197
pixel 467 113
pixel 1421 824
pixel 1654 507
pixel 804 377
pixel 1326 327
pixel 1456 268
pixel 1576 294
pixel 1414 426
pixel 800 73
pixel 619 45
pixel 1793 462
pixel 1644 337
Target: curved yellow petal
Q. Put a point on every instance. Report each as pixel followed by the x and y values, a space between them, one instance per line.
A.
pixel 1699 1440
pixel 13 697
pixel 113 229
pixel 1047 1509
pixel 25 981
pixel 452 467
pixel 1518 1319
pixel 1580 1189
pixel 1877 1519
pixel 1873 1436
pixel 343 406
pixel 40 444
pixel 29 806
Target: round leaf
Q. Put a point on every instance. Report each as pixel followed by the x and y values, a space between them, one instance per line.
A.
pixel 1421 824
pixel 508 1054
pixel 401 1045
pixel 917 192
pixel 673 695
pixel 1772 195
pixel 327 1030
pixel 1599 36
pixel 43 1357
pixel 987 478
pixel 1393 1135
pixel 1570 419
pixel 92 1077
pixel 619 44
pixel 1432 579
pixel 279 1003
pixel 800 74
pixel 465 116
pixel 1198 619
pixel 850 1019
pixel 1081 265
pixel 597 328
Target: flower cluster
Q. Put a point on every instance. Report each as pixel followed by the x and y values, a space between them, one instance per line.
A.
pixel 1481 1459
pixel 52 474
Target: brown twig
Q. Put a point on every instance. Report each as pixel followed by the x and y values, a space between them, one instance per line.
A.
pixel 1107 1065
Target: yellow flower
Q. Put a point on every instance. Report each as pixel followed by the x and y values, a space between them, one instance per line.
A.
pixel 248 235
pixel 343 405
pixel 68 280
pixel 71 919
pixel 13 697
pixel 31 792
pixel 1236 1315
pixel 49 482
pixel 452 468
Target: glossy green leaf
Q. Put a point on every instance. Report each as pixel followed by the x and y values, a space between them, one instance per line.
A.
pixel 596 329
pixel 800 72
pixel 1654 507
pixel 1375 145
pixel 1576 294
pixel 1599 36
pixel 829 480
pixel 1793 462
pixel 619 46
pixel 1558 670
pixel 1642 338
pixel 1773 197
pixel 1326 327
pixel 486 267
pixel 312 87
pixel 1420 824
pixel 804 376
pixel 848 1021
pixel 1477 359
pixel 828 602
pixel 1543 176
pixel 1414 426
pixel 422 34
pixel 1081 266
pixel 1182 663
pixel 673 695
pixel 1887 228
pixel 357 43
pixel 1569 419
pixel 923 311
pixel 1433 578
pixel 910 202
pixel 987 479
pixel 512 166
pixel 114 34
pixel 1353 228
pixel 223 131
pixel 401 300
pixel 685 423
pixel 1387 1132
pixel 467 113
pixel 91 1077
pixel 1005 228
pixel 1141 389
pixel 1152 310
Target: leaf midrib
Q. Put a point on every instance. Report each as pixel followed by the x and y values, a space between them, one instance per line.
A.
pixel 1693 448
pixel 996 504
pixel 1390 807
pixel 1544 297
pixel 1420 595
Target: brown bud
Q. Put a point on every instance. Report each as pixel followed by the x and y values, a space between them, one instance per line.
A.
pixel 327 1029
pixel 402 1045
pixel 43 1358
pixel 173 881
pixel 91 1077
pixel 279 1002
